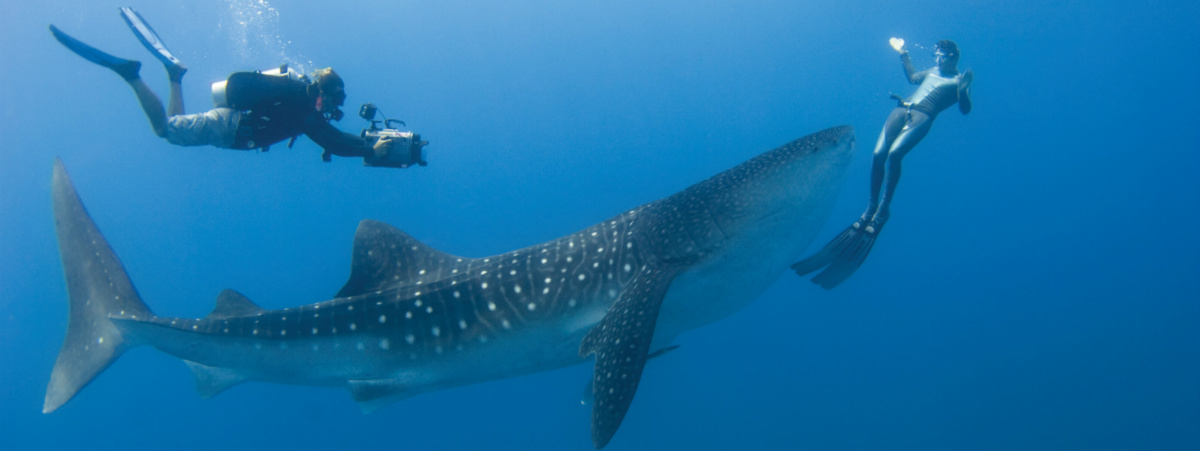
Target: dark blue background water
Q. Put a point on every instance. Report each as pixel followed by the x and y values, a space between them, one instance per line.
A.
pixel 1035 288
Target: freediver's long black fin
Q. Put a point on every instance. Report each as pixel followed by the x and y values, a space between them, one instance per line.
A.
pixel 127 69
pixel 842 256
pixel 149 38
pixel 848 261
pixel 827 254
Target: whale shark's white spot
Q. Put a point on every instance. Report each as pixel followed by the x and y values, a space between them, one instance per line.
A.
pixel 506 324
pixel 457 295
pixel 483 338
pixel 408 314
pixel 333 331
pixel 582 276
pixel 429 309
pixel 421 272
pixel 410 338
pixel 571 244
pixel 353 326
pixel 628 245
pixel 350 307
pixel 360 346
pixel 544 261
pixel 382 319
pixel 512 273
pixel 569 259
pixel 571 303
pixel 417 303
pixel 436 331
pixel 100 340
pixel 314 331
pixel 546 290
pixel 258 346
pixel 484 285
pixel 226 330
pixel 596 265
pixel 628 267
pixel 517 289
pixel 532 306
pixel 417 294
pixel 384 344
pixel 599 249
pixel 255 332
pixel 462 324
pixel 483 272
pixel 283 332
pixel 612 293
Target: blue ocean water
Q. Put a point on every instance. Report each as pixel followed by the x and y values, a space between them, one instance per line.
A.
pixel 1035 288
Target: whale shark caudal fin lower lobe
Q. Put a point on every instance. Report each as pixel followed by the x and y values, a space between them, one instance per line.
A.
pixel 621 343
pixel 98 289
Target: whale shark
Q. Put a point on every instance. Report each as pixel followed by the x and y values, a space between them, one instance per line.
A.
pixel 412 319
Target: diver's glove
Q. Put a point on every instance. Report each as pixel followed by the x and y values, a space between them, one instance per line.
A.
pixel 897 44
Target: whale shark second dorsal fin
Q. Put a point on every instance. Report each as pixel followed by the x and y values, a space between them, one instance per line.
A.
pixel 385 256
pixel 231 304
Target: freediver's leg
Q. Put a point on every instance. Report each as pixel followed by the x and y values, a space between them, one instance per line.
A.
pixel 912 135
pixel 891 129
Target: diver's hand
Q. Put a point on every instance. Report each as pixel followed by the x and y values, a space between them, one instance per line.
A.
pixel 897 44
pixel 383 146
pixel 964 82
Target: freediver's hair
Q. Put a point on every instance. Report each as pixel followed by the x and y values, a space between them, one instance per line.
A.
pixel 950 48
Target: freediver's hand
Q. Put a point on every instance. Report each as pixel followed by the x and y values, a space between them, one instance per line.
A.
pixel 964 83
pixel 897 44
pixel 383 146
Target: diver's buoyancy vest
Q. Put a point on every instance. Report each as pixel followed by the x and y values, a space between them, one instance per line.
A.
pixel 274 104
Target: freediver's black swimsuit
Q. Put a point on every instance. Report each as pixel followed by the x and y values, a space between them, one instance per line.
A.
pixel 936 94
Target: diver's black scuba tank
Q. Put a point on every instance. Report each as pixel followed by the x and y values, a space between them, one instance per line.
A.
pixel 248 90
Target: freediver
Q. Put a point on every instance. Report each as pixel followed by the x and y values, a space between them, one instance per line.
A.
pixel 941 87
pixel 269 109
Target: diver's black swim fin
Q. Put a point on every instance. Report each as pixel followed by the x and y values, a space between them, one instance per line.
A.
pixel 127 69
pixel 842 256
pixel 848 261
pixel 148 37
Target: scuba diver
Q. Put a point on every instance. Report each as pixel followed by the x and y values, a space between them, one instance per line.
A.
pixel 254 110
pixel 940 88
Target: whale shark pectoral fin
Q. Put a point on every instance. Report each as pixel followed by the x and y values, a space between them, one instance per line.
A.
pixel 589 396
pixel 212 380
pixel 375 394
pixel 621 343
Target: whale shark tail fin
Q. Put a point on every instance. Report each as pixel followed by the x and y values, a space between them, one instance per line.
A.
pixel 98 289
pixel 842 256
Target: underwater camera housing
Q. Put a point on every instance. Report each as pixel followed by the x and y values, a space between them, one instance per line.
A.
pixel 407 147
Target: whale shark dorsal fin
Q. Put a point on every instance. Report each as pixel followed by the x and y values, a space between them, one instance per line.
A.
pixel 621 342
pixel 231 304
pixel 385 256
